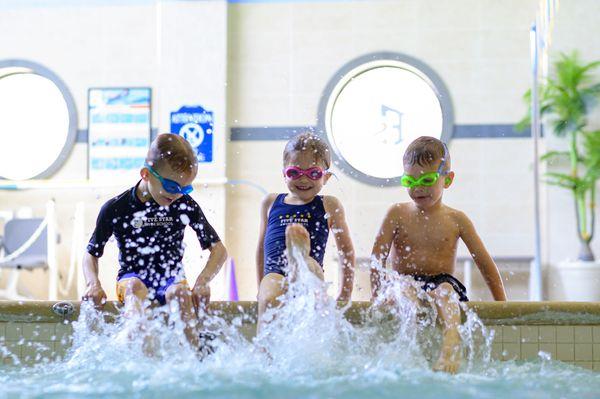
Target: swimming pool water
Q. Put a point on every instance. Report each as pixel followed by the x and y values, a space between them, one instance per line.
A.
pixel 308 351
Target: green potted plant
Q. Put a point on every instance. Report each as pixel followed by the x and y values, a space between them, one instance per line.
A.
pixel 567 98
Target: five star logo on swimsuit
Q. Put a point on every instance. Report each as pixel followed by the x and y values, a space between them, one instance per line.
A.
pixel 157 221
pixel 299 218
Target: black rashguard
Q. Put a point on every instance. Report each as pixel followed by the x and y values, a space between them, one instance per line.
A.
pixel 149 236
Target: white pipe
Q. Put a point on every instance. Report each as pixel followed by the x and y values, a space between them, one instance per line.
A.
pixel 536 268
pixel 81 286
pixel 52 261
pixel 534 283
pixel 468 275
pixel 76 250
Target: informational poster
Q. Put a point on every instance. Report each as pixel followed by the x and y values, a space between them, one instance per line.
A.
pixel 195 124
pixel 118 132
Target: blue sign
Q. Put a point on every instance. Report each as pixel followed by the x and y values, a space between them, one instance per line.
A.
pixel 195 124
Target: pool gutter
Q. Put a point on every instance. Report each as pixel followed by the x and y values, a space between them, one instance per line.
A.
pixel 492 313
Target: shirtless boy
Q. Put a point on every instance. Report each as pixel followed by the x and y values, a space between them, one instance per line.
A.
pixel 420 237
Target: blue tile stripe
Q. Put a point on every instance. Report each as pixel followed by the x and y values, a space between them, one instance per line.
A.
pixel 491 131
pixel 267 133
pixel 290 1
pixel 494 131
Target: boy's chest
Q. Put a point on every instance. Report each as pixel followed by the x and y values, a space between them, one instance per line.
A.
pixel 149 222
pixel 426 231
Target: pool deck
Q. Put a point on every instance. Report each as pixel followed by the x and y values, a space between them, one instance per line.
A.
pixel 492 313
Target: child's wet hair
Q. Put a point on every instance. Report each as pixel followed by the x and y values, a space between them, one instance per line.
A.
pixel 310 143
pixel 173 150
pixel 426 151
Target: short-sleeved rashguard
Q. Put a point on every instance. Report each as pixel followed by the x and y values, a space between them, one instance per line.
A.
pixel 149 236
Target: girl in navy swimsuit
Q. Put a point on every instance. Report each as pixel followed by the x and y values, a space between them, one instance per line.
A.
pixel 302 219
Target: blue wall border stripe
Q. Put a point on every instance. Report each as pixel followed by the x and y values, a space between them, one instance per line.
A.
pixel 268 133
pixel 491 131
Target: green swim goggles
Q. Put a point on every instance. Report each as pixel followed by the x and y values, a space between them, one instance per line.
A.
pixel 427 179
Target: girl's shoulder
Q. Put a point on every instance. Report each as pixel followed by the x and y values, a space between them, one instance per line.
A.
pixel 270 198
pixel 331 201
pixel 268 202
pixel 332 205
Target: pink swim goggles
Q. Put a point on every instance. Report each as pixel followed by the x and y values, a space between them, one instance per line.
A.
pixel 294 172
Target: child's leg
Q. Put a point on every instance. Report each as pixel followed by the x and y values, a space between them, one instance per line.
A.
pixel 393 298
pixel 449 313
pixel 298 239
pixel 132 292
pixel 181 294
pixel 271 287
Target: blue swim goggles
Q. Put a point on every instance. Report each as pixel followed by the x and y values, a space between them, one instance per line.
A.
pixel 170 186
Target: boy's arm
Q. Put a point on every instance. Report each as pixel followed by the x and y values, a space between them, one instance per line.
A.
pixel 482 258
pixel 343 242
pixel 216 259
pixel 260 254
pixel 381 248
pixel 94 251
pixel 94 291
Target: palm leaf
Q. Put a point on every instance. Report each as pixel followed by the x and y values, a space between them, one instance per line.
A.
pixel 563 180
pixel 550 155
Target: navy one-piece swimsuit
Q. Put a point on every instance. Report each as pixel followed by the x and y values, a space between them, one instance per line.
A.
pixel 281 215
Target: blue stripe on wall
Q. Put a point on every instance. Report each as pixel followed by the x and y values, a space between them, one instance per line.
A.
pixel 111 3
pixel 293 1
pixel 460 132
pixel 488 131
pixel 266 133
pixel 495 131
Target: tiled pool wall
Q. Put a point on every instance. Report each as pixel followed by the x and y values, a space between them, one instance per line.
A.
pixel 32 333
pixel 32 342
pixel 575 344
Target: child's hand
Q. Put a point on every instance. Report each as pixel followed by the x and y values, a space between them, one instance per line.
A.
pixel 343 300
pixel 201 295
pixel 96 294
pixel 387 302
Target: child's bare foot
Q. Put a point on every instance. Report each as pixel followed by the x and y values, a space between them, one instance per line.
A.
pixel 132 331
pixel 205 341
pixel 296 236
pixel 450 355
pixel 150 346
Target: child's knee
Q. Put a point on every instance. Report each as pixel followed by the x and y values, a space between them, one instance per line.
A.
pixel 178 292
pixel 268 296
pixel 315 268
pixel 135 286
pixel 445 291
pixel 296 236
pixel 296 228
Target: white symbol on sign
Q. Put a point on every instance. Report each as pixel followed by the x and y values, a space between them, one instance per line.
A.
pixel 137 223
pixel 193 133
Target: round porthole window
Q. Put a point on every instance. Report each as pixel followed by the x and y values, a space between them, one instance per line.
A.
pixel 37 121
pixel 379 105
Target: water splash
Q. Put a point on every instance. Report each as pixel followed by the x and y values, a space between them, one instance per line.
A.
pixel 308 349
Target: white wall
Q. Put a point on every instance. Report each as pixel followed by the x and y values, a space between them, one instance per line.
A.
pixel 281 57
pixel 178 48
pixel 267 64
